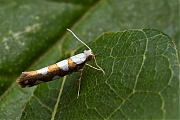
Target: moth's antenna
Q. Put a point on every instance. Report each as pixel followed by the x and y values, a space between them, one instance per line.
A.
pixel 88 48
pixel 79 39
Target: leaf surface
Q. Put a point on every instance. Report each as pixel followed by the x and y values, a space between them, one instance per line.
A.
pixel 141 71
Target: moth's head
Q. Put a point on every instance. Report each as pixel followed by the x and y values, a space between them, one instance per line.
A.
pixel 89 54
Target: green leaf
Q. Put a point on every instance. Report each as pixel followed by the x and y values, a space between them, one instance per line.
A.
pixel 141 80
pixel 141 74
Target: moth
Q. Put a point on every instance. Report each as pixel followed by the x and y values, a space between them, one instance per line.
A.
pixel 60 69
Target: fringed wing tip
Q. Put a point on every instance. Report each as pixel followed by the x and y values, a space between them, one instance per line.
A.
pixel 21 80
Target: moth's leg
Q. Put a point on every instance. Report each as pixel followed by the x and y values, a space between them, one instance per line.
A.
pixel 79 84
pixel 92 67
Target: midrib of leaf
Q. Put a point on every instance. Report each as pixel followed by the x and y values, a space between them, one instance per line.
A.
pixel 144 57
pixel 58 99
pixel 137 76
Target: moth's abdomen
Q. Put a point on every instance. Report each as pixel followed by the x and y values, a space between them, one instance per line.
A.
pixel 52 72
pixel 28 79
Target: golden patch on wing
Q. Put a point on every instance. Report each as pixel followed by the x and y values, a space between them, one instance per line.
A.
pixel 53 67
pixel 71 63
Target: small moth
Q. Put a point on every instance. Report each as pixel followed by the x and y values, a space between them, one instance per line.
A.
pixel 60 69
